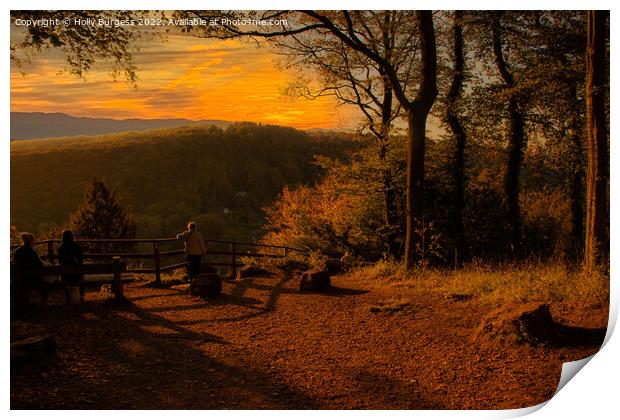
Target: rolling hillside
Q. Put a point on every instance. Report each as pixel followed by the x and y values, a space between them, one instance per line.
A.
pixel 31 125
pixel 221 178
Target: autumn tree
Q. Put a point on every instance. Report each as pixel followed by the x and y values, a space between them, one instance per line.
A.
pixel 416 105
pixel 337 70
pixel 417 110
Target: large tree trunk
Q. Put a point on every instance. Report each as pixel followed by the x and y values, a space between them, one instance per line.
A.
pixel 597 222
pixel 576 206
pixel 416 118
pixel 516 144
pixel 415 187
pixel 575 183
pixel 460 138
pixel 513 174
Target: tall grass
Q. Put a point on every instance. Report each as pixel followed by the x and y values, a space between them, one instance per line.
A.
pixel 496 284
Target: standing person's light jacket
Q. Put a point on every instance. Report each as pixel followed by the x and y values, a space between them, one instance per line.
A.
pixel 194 245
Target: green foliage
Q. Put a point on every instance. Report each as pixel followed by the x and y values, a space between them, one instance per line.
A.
pixel 220 178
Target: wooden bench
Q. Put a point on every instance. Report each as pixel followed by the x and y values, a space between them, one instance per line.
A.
pixel 116 268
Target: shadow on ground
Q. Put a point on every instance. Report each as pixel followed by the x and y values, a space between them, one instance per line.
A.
pixel 137 368
pixel 569 336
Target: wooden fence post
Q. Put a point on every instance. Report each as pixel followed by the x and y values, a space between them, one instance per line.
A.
pixel 157 262
pixel 117 284
pixel 50 251
pixel 233 250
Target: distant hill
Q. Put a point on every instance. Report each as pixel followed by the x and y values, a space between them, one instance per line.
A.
pixel 219 177
pixel 31 125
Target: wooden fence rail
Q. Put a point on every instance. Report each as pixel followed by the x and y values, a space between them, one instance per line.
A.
pixel 116 268
pixel 233 251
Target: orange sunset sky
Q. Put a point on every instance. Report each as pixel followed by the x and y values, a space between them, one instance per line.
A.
pixel 185 77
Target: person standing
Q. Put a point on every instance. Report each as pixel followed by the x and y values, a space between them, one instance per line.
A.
pixel 70 254
pixel 194 249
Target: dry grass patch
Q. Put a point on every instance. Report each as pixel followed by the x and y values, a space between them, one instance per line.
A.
pixel 498 284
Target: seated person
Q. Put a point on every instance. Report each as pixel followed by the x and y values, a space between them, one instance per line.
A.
pixel 70 254
pixel 26 258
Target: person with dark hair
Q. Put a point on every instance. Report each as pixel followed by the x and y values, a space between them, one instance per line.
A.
pixel 194 249
pixel 26 258
pixel 70 254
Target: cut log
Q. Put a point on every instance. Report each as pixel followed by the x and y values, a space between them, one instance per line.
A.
pixel 206 285
pixel 315 280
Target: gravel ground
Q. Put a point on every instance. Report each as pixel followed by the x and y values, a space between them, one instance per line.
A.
pixel 265 345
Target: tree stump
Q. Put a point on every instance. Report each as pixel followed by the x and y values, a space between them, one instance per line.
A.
pixel 206 285
pixel 315 280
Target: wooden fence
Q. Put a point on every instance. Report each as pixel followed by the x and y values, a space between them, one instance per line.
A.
pixel 235 251
pixel 116 268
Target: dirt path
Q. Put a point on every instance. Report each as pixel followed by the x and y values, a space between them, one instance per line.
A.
pixel 264 344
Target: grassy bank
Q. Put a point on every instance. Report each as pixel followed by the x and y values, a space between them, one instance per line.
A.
pixel 551 281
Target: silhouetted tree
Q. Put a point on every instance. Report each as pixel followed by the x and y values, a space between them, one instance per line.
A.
pixel 82 43
pixel 517 139
pixel 100 216
pixel 597 221
pixel 459 134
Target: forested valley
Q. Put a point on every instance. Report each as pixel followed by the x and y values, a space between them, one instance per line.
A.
pixel 219 178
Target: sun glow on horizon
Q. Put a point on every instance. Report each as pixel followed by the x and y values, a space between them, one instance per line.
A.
pixel 185 77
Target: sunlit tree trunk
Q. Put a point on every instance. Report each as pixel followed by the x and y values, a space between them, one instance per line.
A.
pixel 597 221
pixel 417 112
